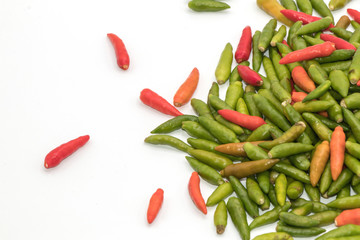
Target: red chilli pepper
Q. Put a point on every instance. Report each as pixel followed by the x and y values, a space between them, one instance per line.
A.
pixel 249 76
pixel 300 16
pixel 339 42
pixel 195 193
pixel 320 50
pixel 243 120
pixel 187 89
pixel 354 14
pixel 298 96
pixel 351 216
pixel 358 83
pixel 157 102
pixel 122 56
pixel 58 154
pixel 155 203
pixel 285 42
pixel 243 50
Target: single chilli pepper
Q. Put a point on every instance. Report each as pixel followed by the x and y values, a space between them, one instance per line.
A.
pixel 294 189
pixel 269 216
pixel 288 4
pixel 355 180
pixel 346 202
pixel 320 50
pixel 238 216
pixel 218 103
pixel 173 124
pixel 201 108
pixel 187 89
pixel 300 16
pixel 245 169
pixel 315 26
pixel 233 93
pixel 206 172
pixel 270 69
pixel 305 6
pixel 351 216
pixel 288 149
pixel 343 231
pixel 289 136
pixel 339 43
pixel 344 178
pixel 250 207
pixel 248 98
pixel 280 189
pixel 354 14
pixel 297 220
pixel 272 196
pixel 271 97
pixel 337 151
pixel 315 74
pixel 273 8
pixel 259 134
pixel 312 106
pixel 257 54
pixel 266 35
pixel 220 217
pixel 343 22
pixel 325 179
pixel 321 8
pixel 223 68
pixel 301 161
pixel 342 33
pixel 194 129
pixel 243 120
pixel 312 41
pixel 243 50
pixel 291 171
pixel 354 69
pixel 280 92
pixel 220 193
pixel 353 122
pixel 303 210
pixel 312 192
pixel 155 203
pixel 212 159
pixel 254 191
pixel 281 70
pixel 321 130
pixel 335 112
pixel 300 232
pixel 279 36
pixel 195 193
pixel 302 79
pixel 234 149
pixel 337 55
pixel 341 65
pixel 222 133
pixel 339 82
pixel 121 53
pixel 264 181
pixel 353 164
pixel 318 162
pixel 317 206
pixel 325 218
pixel 298 96
pixel 55 156
pixel 207 6
pixel 337 4
pixel 319 91
pixel 353 148
pixel 174 142
pixel 155 101
pixel 241 107
pixel 249 76
pixel 274 236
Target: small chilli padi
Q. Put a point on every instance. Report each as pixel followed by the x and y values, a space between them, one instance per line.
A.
pixel 121 53
pixel 249 76
pixel 243 50
pixel 243 120
pixel 195 193
pixel 187 89
pixel 155 203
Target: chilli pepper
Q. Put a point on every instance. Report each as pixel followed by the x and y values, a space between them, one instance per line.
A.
pixel 212 159
pixel 288 4
pixel 249 76
pixel 279 36
pixel 299 231
pixel 174 142
pixel 343 22
pixel 173 124
pixel 187 89
pixel 247 121
pixel 312 106
pixel 352 163
pixel 220 193
pixel 321 8
pixel 344 178
pixel 315 26
pixel 223 68
pixel 305 6
pixel 354 14
pixel 319 91
pixel 157 102
pixel 195 193
pixel 353 122
pixel 220 217
pixel 303 210
pixel 257 55
pixel 318 162
pixel 274 236
pixel 234 149
pixel 343 231
pixel 354 69
pixel 121 53
pixel 254 191
pixel 346 202
pixel 337 4
pixel 353 148
pixel 337 55
pixel 337 151
pixel 208 173
pixel 233 93
pixel 325 179
pixel 55 156
pixel 222 133
pixel 297 220
pixel 194 129
pixel 325 218
pixel 322 131
pixel 270 216
pixel 339 43
pixel 291 171
pixel 312 41
pixel 321 50
pixel 243 50
pixel 266 35
pixel 339 82
pixel 288 149
pixel 342 33
pixel 294 189
pixel 300 16
pixel 351 216
pixel 155 203
pixel 238 216
pixel 207 6
pixel 280 189
pixel 273 8
pixel 298 96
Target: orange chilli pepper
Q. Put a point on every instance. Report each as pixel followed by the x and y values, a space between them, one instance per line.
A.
pixel 187 89
pixel 351 216
pixel 58 154
pixel 337 152
pixel 122 56
pixel 155 203
pixel 318 162
pixel 302 79
pixel 323 113
pixel 298 96
pixel 195 193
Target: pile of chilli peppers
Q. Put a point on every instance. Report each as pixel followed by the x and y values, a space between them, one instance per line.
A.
pixel 294 130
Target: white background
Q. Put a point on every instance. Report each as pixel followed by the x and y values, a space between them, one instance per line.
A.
pixel 59 80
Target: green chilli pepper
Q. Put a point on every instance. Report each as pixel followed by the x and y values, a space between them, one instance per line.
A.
pixel 300 232
pixel 201 108
pixel 325 179
pixel 353 148
pixel 214 160
pixel 223 69
pixel 250 207
pixel 355 37
pixel 266 35
pixel 337 4
pixel 259 134
pixel 353 122
pixel 232 126
pixel 305 6
pixel 238 216
pixel 346 202
pixel 298 43
pixel 312 41
pixel 280 92
pixel 294 189
pixel 233 93
pixel 345 191
pixel 241 106
pixel 234 75
pixel 339 82
pixel 280 189
pixel 194 129
pixel 288 149
pixel 289 4
pixel 220 193
pixel 297 220
pixel 218 103
pixel 312 106
pixel 222 133
pixel 207 5
pixel 254 152
pixel 335 112
pixel 331 124
pixel 301 161
pixel 279 36
pixel 168 140
pixel 343 231
pixel 266 204
pixel 325 218
pixel 341 33
pixel 352 163
pixel 289 136
pixel 312 192
pixel 206 172
pixel 292 32
pixel 317 206
pixel 281 70
pixel 321 8
pixel 319 91
pixel 355 24
pixel 320 129
pixel 220 217
pixel 271 97
pixel 315 74
pixel 264 181
pixel 351 101
pixel 354 68
pixel 303 210
pixel 291 171
pixel 284 50
pixel 274 236
pixel 340 65
pixel 269 69
pixel 269 217
pixel 173 124
pixel 257 54
pixel 254 191
pixel 355 180
pixel 315 26
pixel 253 110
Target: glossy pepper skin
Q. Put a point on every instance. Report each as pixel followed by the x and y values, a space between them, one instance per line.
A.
pixel 155 203
pixel 195 193
pixel 243 50
pixel 54 157
pixel 273 8
pixel 122 56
